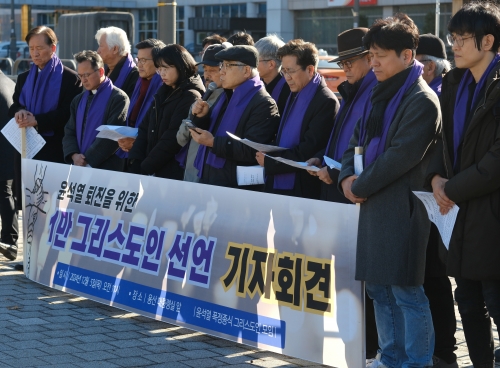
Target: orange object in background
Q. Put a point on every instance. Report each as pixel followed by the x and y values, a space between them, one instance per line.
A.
pixel 330 71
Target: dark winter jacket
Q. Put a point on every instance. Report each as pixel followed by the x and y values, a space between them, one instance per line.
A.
pixel 156 145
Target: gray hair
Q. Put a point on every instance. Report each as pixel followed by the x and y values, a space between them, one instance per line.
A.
pixel 91 56
pixel 115 37
pixel 442 65
pixel 268 48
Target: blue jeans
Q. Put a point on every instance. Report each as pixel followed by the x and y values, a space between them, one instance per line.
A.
pixel 404 325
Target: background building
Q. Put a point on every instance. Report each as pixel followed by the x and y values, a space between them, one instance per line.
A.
pixel 318 21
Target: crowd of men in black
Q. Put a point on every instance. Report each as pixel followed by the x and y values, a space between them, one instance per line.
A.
pixel 417 123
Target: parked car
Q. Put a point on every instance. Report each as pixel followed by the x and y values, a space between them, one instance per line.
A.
pixel 23 50
pixel 332 73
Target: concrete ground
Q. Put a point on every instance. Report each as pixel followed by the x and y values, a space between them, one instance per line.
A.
pixel 44 327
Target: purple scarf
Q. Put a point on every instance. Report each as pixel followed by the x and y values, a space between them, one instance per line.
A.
pixel 435 85
pixel 460 113
pixel 376 146
pixel 351 117
pixel 42 96
pixel 95 115
pixel 127 67
pixel 242 96
pixel 278 88
pixel 156 83
pixel 291 125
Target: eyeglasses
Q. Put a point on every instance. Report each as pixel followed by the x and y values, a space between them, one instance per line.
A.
pixel 457 38
pixel 348 63
pixel 289 72
pixel 141 61
pixel 86 75
pixel 227 66
pixel 163 69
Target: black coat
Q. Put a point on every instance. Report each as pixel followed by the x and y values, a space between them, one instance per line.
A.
pixel 6 150
pixel 101 153
pixel 474 251
pixel 283 97
pixel 258 123
pixel 130 81
pixel 53 120
pixel 156 145
pixel 316 128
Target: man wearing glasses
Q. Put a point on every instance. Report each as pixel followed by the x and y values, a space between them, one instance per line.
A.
pixel 270 70
pixel 305 125
pixel 468 172
pixel 245 109
pixel 148 83
pixel 101 104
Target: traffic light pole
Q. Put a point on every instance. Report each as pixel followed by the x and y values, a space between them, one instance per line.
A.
pixel 13 45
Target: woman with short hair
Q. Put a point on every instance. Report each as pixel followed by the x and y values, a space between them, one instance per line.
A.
pixel 156 146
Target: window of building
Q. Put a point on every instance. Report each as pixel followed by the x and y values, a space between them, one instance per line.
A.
pixel 148 25
pixel 221 11
pixel 46 19
pixel 322 26
pixel 424 16
pixel 262 10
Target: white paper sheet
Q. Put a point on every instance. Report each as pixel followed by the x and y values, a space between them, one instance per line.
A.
pixel 258 146
pixel 358 164
pixel 297 164
pixel 332 164
pixel 444 223
pixel 34 141
pixel 115 132
pixel 250 175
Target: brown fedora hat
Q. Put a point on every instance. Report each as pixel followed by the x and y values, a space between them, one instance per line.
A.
pixel 350 44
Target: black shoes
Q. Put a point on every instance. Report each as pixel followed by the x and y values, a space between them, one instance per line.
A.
pixel 8 251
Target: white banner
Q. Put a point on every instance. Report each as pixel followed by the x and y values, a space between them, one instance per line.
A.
pixel 269 271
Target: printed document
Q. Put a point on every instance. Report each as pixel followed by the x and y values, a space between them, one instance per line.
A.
pixel 298 165
pixel 34 141
pixel 332 164
pixel 257 146
pixel 444 223
pixel 250 175
pixel 115 132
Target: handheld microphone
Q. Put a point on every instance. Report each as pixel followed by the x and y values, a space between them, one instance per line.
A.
pixel 210 89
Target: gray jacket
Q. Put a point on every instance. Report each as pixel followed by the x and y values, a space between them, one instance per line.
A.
pixel 184 137
pixel 101 154
pixel 393 225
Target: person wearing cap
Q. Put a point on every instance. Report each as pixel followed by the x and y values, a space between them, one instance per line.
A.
pixel 467 173
pixel 211 72
pixel 270 70
pixel 305 125
pixel 394 138
pixel 148 83
pixel 244 109
pixel 155 149
pixel 432 53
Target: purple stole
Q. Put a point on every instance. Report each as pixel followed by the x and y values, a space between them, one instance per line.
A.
pixel 460 113
pixel 435 85
pixel 351 117
pixel 95 114
pixel 156 83
pixel 376 146
pixel 127 67
pixel 278 88
pixel 242 96
pixel 291 125
pixel 42 96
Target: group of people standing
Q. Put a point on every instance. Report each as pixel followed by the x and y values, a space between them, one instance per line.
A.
pixel 417 124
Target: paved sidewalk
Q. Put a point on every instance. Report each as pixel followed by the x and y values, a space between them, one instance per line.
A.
pixel 44 327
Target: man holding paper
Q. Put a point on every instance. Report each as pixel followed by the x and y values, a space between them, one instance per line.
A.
pixel 397 128
pixel 244 108
pixel 147 84
pixel 354 59
pixel 101 104
pixel 305 125
pixel 467 172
